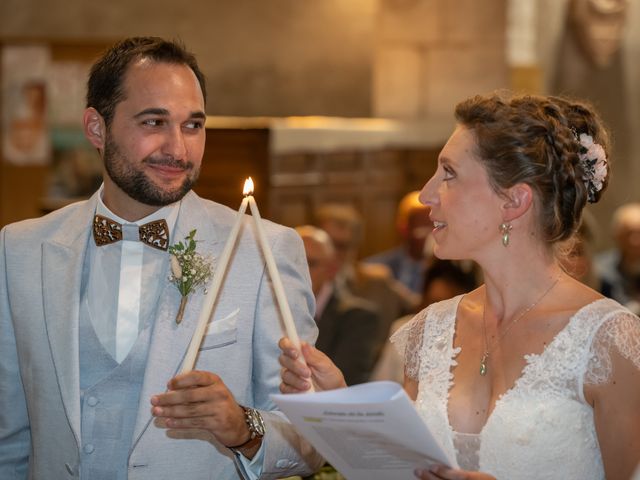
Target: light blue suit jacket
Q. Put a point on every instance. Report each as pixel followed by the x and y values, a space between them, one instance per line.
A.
pixel 41 263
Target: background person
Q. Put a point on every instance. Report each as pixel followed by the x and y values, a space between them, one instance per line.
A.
pixel 619 268
pixel 409 260
pixel 373 283
pixel 348 326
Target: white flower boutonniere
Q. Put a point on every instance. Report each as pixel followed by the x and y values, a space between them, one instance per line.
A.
pixel 189 269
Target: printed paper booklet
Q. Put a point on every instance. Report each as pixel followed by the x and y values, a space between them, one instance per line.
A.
pixel 369 431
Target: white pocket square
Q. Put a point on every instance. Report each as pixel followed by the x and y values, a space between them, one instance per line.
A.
pixel 223 324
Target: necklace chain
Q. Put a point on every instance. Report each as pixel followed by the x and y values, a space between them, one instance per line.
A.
pixel 487 347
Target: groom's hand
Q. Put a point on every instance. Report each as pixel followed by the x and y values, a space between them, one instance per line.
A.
pixel 200 400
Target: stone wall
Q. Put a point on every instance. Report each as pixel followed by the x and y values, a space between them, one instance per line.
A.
pixel 358 58
pixel 261 57
pixel 406 59
pixel 430 54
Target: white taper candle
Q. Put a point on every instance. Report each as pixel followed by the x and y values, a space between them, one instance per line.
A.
pixel 214 289
pixel 283 304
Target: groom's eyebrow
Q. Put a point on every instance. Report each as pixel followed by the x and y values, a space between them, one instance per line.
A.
pixel 152 111
pixel 199 114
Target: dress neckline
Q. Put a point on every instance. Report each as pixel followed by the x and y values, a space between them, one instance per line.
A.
pixel 529 358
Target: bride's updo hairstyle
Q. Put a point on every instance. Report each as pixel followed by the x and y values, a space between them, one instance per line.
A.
pixel 547 143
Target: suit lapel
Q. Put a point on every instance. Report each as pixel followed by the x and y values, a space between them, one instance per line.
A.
pixel 62 263
pixel 169 342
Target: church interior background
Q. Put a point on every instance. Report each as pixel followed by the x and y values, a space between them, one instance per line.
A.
pixel 318 100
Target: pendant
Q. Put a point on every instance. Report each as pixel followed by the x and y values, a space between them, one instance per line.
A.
pixel 483 364
pixel 505 239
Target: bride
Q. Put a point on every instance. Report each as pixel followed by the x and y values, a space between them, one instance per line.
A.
pixel 533 375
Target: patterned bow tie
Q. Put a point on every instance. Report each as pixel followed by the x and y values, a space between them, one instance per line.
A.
pixel 155 234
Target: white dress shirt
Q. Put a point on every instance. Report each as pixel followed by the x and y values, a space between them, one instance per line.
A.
pixel 123 284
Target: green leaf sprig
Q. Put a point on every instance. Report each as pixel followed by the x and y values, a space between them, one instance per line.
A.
pixel 189 269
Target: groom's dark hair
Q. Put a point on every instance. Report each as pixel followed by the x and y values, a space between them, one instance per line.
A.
pixel 104 87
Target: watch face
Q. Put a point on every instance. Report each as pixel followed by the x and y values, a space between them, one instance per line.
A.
pixel 255 422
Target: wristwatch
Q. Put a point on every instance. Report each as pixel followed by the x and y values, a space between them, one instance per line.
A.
pixel 255 423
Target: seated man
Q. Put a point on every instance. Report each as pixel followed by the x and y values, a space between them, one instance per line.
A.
pixel 619 268
pixel 347 324
pixel 374 283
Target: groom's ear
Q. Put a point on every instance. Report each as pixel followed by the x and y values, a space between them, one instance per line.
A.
pixel 94 128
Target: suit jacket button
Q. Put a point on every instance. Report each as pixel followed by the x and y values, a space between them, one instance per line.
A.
pixel 88 448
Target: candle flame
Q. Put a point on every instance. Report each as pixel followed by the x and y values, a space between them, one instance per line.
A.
pixel 248 187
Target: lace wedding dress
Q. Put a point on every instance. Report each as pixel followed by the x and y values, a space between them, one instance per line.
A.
pixel 542 427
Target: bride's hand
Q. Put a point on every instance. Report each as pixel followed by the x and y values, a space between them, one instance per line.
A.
pixel 439 472
pixel 297 378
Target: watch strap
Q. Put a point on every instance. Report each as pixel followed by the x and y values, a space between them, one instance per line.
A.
pixel 254 421
pixel 249 443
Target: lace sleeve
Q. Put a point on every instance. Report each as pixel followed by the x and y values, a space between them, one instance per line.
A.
pixel 621 334
pixel 408 342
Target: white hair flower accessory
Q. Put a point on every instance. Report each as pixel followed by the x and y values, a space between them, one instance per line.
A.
pixel 594 163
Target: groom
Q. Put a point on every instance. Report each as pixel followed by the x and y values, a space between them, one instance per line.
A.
pixel 89 343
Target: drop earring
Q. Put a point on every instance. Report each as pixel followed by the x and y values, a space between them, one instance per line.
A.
pixel 505 228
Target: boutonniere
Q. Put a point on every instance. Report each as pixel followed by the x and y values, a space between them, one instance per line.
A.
pixel 189 269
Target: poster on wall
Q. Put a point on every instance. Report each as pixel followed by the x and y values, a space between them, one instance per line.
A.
pixel 25 134
pixel 67 82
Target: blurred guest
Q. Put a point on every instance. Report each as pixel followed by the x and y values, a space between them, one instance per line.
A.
pixel 409 260
pixel 374 283
pixel 619 268
pixel 445 279
pixel 344 225
pixel 348 325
